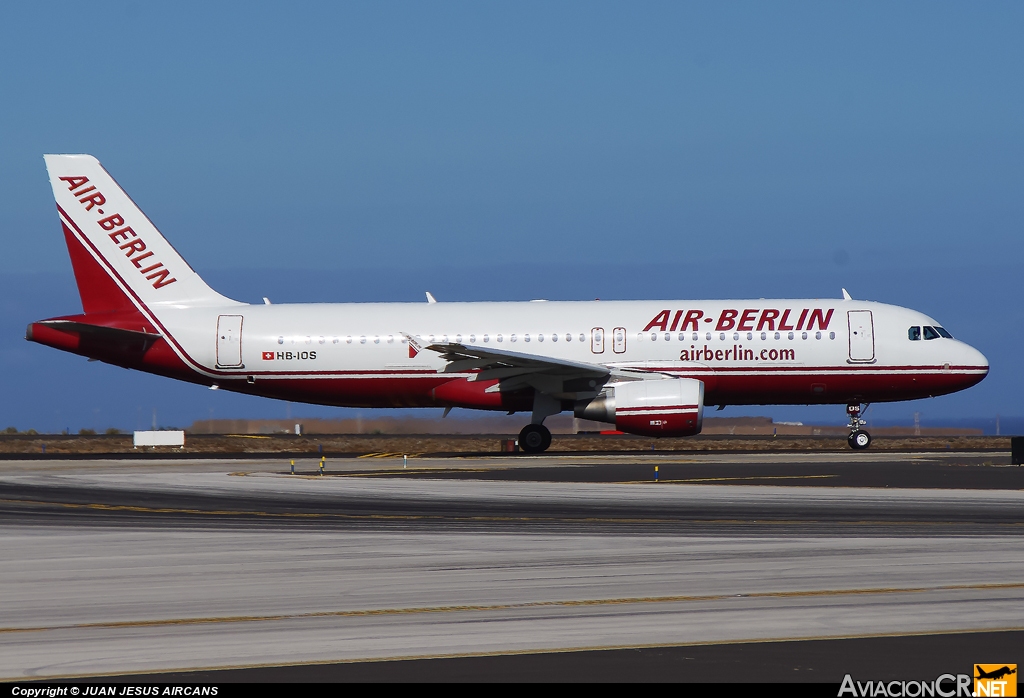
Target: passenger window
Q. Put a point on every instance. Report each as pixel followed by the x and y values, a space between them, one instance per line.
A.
pixel 930 333
pixel 764 335
pixel 914 334
pixel 943 332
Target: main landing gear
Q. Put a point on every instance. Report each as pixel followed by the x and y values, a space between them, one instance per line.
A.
pixel 534 438
pixel 858 438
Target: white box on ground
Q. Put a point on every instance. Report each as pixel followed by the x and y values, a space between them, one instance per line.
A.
pixel 159 438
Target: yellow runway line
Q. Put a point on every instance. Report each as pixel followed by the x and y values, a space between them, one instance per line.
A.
pixel 573 603
pixel 478 519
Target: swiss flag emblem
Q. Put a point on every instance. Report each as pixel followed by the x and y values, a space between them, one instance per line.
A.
pixel 268 356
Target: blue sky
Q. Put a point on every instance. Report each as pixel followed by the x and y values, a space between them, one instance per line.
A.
pixel 365 151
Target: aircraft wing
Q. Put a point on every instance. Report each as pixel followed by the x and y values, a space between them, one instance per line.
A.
pixel 516 370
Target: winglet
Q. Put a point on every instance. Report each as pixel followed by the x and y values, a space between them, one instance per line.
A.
pixel 846 295
pixel 414 346
pixel 430 298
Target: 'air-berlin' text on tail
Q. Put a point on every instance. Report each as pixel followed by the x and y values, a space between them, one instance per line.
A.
pixel 120 259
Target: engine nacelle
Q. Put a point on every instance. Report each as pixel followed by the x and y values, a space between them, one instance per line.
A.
pixel 671 407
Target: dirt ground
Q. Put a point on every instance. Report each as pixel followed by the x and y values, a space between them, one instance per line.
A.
pixel 56 445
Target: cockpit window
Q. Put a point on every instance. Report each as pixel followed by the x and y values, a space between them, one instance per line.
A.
pixel 914 334
pixel 930 333
pixel 943 332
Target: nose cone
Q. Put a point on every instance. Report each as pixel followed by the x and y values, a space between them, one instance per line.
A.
pixel 973 357
pixel 972 364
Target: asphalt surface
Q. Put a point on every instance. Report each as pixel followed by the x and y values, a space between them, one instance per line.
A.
pixel 550 567
pixel 934 471
pixel 823 495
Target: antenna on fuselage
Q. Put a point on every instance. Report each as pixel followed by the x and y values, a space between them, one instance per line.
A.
pixel 430 298
pixel 846 295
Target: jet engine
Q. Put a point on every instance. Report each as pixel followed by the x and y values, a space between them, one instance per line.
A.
pixel 671 407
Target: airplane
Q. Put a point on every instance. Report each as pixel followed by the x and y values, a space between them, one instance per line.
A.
pixel 648 367
pixel 995 674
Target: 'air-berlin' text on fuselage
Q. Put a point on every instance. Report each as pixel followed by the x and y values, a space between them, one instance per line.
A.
pixel 123 236
pixel 746 320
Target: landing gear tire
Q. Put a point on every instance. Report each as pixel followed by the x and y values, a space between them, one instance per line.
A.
pixel 534 438
pixel 859 440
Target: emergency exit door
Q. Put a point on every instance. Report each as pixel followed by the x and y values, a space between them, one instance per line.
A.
pixel 229 341
pixel 862 335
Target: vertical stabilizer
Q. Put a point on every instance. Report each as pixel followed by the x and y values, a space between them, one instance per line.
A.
pixel 120 258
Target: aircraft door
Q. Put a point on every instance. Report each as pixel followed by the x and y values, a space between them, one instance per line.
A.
pixel 862 335
pixel 597 340
pixel 619 340
pixel 229 341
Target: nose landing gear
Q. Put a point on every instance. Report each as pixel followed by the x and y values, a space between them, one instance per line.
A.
pixel 858 438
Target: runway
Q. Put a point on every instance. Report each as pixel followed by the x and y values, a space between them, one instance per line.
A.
pixel 115 568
